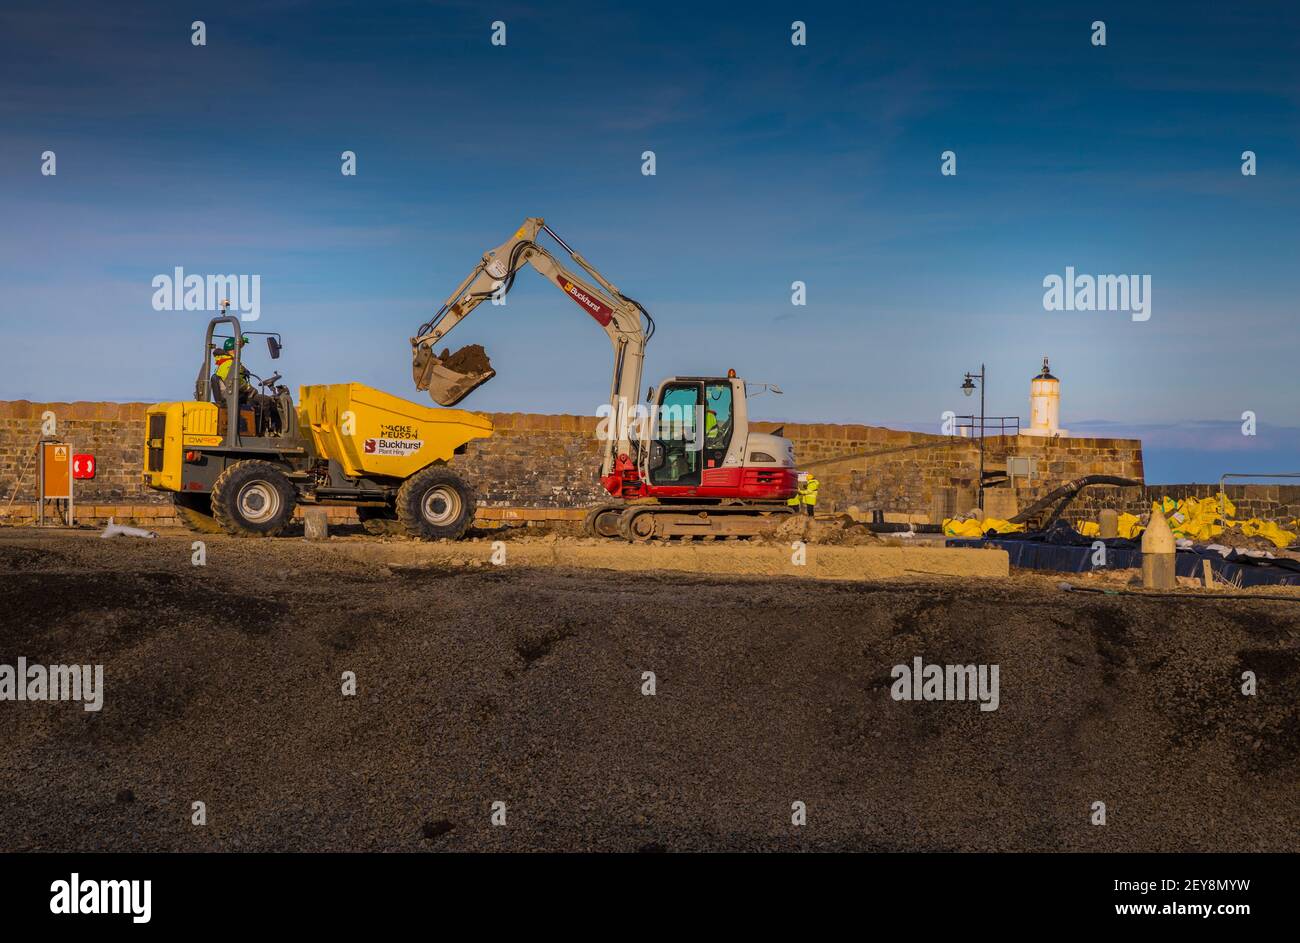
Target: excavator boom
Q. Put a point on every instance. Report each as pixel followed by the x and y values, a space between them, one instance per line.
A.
pixel 449 378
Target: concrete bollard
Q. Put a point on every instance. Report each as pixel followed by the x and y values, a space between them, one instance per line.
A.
pixel 1108 520
pixel 316 524
pixel 1158 553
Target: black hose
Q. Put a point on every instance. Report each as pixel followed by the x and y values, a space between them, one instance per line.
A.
pixel 883 528
pixel 506 284
pixel 650 322
pixel 1066 493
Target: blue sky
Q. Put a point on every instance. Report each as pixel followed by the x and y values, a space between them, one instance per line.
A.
pixel 774 163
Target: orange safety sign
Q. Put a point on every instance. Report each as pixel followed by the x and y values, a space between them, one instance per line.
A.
pixel 56 470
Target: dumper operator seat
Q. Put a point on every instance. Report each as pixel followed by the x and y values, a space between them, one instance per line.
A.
pixel 270 411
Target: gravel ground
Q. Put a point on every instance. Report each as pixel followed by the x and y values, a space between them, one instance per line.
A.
pixel 486 684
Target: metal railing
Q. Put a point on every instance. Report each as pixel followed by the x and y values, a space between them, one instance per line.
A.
pixel 990 425
pixel 1223 495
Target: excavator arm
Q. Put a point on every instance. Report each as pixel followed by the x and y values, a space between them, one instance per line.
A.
pixel 449 381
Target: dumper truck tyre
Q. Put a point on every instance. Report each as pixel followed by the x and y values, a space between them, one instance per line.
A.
pixel 253 499
pixel 435 503
pixel 381 522
pixel 195 512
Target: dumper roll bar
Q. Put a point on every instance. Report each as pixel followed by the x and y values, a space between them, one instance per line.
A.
pixel 203 385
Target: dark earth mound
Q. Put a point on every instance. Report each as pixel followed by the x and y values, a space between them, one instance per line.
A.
pixel 525 687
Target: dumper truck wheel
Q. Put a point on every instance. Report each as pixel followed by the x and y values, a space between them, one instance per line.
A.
pixel 195 512
pixel 381 522
pixel 253 499
pixel 434 503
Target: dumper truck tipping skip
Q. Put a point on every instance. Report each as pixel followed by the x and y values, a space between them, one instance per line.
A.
pixel 243 467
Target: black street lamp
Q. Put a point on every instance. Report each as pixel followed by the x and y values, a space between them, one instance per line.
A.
pixel 967 388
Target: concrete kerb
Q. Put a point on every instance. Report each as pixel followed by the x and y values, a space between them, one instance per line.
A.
pixel 820 562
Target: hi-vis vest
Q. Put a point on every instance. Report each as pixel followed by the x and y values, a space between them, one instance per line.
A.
pixel 807 493
pixel 810 491
pixel 224 362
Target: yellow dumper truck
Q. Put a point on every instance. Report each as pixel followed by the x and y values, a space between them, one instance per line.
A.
pixel 239 457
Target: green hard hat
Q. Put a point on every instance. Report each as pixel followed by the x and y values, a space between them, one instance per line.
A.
pixel 230 343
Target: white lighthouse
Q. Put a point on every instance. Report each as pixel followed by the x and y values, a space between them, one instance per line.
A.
pixel 1045 405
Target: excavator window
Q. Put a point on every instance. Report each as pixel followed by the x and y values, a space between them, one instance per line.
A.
pixel 680 409
pixel 717 422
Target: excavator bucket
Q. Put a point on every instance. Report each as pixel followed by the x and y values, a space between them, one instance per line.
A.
pixel 449 377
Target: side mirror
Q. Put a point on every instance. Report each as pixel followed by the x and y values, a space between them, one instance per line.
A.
pixel 273 346
pixel 650 395
pixel 656 455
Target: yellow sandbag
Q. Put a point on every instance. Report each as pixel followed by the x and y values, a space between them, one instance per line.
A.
pixel 1130 526
pixel 1269 530
pixel 1209 509
pixel 1197 519
pixel 1001 526
pixel 1199 530
pixel 974 528
pixel 1193 518
pixel 1172 511
pixel 956 528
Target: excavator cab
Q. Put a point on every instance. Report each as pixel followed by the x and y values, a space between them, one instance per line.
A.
pixel 696 419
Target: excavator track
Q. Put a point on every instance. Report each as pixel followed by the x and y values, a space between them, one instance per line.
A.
pixel 602 520
pixel 647 522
